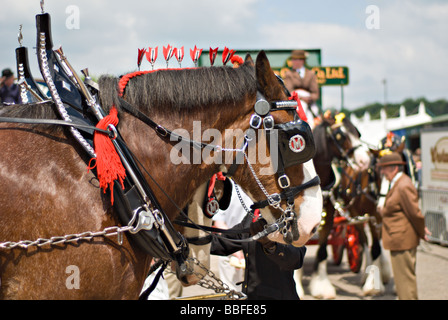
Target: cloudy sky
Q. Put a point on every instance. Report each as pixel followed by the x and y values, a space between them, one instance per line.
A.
pixel 404 42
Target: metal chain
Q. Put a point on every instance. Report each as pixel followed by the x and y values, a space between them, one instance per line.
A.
pixel 240 198
pixel 260 185
pixel 220 287
pixel 287 213
pixel 242 149
pixel 215 284
pixel 84 236
pixel 272 203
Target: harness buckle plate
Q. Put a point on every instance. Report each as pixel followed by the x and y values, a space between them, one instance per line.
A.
pixel 255 121
pixel 113 131
pixel 268 122
pixel 283 181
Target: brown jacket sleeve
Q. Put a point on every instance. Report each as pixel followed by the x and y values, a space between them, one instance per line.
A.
pixel 409 203
pixel 311 78
pixel 403 222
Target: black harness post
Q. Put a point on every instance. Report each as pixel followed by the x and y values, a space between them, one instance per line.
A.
pixel 29 90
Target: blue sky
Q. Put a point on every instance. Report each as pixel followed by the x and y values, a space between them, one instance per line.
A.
pixel 409 49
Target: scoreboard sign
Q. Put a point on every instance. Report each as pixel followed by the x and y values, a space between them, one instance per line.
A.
pixel 331 76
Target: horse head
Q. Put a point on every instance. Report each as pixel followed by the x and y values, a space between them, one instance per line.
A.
pixel 277 172
pixel 338 138
pixel 212 114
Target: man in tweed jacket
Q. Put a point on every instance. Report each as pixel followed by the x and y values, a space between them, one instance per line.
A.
pixel 403 225
pixel 300 77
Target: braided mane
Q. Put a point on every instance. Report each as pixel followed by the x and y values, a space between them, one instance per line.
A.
pixel 176 90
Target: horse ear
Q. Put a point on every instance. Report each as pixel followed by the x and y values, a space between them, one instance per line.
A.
pixel 267 82
pixel 375 152
pixel 249 60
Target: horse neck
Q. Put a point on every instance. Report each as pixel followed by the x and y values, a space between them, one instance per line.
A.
pixel 323 162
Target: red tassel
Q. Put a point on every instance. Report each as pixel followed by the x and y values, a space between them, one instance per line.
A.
pixel 107 162
pixel 300 112
pixel 256 215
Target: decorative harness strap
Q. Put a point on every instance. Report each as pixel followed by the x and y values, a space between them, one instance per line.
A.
pixel 49 66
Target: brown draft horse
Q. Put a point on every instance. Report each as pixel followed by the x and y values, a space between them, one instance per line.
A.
pixel 46 189
pixel 337 139
pixel 359 192
pixel 373 284
pixel 368 190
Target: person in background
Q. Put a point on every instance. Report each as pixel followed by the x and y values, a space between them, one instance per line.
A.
pixel 302 82
pixel 403 225
pixel 9 91
pixel 301 79
pixel 417 156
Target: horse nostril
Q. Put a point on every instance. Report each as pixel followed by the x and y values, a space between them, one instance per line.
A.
pixel 313 231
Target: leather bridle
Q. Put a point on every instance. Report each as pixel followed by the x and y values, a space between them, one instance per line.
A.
pixel 261 117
